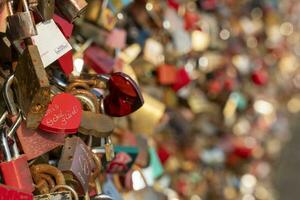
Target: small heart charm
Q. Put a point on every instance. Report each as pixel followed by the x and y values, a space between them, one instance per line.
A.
pixel 63 115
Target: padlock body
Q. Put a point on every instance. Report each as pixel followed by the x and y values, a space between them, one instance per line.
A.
pixel 16 173
pixel 35 143
pixel 77 160
pixel 46 9
pixel 166 74
pixel 7 192
pixel 99 60
pixel 21 26
pixel 72 9
pixel 33 90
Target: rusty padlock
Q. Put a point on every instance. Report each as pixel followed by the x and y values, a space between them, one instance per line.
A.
pixel 33 86
pixel 21 25
pixel 42 141
pixel 77 161
pixel 71 9
pixel 41 171
pixel 92 122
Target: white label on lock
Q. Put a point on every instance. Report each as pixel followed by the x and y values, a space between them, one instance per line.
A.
pixel 50 42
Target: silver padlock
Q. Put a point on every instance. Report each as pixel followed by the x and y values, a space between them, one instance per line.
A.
pixel 21 25
pixel 71 9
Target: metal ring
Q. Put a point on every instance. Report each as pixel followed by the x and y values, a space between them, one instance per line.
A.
pixel 75 195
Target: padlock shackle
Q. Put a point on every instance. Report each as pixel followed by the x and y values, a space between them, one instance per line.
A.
pixel 10 7
pixel 25 5
pixel 9 100
pixel 5 145
pixel 12 130
pixel 3 117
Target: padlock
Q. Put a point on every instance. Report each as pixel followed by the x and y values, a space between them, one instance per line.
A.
pixel 71 9
pixel 7 192
pixel 93 11
pixel 166 74
pixel 77 161
pixel 42 177
pixel 33 86
pixel 99 194
pixel 148 116
pixel 65 26
pixel 124 95
pixel 21 25
pixel 182 79
pixel 44 169
pixel 104 124
pixel 43 142
pixel 125 157
pixel 46 9
pixel 63 115
pixel 15 171
pixel 98 60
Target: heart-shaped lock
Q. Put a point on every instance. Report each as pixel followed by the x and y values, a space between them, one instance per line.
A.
pixel 124 96
pixel 63 115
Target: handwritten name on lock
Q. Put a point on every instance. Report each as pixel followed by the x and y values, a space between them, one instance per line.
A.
pixel 77 158
pixel 63 115
pixel 84 163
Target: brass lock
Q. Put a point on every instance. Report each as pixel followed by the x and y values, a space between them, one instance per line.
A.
pixel 21 24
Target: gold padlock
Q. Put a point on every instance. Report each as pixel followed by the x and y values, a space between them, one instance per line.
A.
pixel 148 116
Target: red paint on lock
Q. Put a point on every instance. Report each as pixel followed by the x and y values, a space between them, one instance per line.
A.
pixel 66 63
pixel 41 141
pixel 16 173
pixel 182 79
pixel 65 26
pixel 166 74
pixel 10 193
pixel 124 96
pixel 63 115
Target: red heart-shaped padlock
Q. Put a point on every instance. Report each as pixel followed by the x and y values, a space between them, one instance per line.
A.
pixel 63 115
pixel 124 96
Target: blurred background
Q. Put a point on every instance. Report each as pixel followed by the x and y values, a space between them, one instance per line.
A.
pixel 220 79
